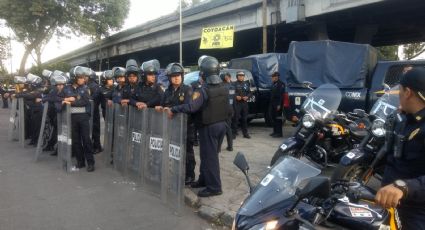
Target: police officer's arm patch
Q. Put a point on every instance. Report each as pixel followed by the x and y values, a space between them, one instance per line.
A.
pixel 195 95
pixel 413 134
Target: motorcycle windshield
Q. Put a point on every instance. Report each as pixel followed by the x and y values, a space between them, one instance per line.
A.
pixel 387 104
pixel 322 101
pixel 278 185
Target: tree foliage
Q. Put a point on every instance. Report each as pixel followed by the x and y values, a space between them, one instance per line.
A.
pixel 4 53
pixel 34 22
pixel 413 50
pixel 389 53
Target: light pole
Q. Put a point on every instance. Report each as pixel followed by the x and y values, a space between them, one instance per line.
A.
pixel 180 33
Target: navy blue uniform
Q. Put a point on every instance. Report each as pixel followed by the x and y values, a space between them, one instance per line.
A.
pixel 179 96
pixel 54 98
pixel 96 97
pixel 105 95
pixel 211 135
pixel 33 113
pixel 276 108
pixel 81 142
pixel 410 167
pixel 242 89
pixel 117 94
pixel 148 94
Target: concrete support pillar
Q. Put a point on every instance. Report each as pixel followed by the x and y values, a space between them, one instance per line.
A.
pixel 365 33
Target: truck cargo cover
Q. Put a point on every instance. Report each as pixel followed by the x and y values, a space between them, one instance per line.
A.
pixel 262 67
pixel 347 65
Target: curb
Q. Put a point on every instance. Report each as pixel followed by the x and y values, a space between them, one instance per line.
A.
pixel 208 213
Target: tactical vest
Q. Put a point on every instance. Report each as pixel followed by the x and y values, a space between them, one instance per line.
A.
pixel 217 106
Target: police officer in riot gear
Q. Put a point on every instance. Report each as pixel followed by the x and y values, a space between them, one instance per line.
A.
pixel 95 96
pixel 242 94
pixel 55 98
pixel 210 102
pixel 404 178
pixel 79 100
pixel 229 135
pixel 148 93
pixel 275 108
pixel 132 73
pixel 176 94
pixel 120 78
pixel 106 89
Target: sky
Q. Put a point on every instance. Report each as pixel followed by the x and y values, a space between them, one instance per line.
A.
pixel 140 12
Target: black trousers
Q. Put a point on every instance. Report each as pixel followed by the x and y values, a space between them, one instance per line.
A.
pixel 211 137
pixel 190 153
pixel 81 143
pixel 36 116
pixel 241 115
pixel 52 118
pixel 277 118
pixel 96 125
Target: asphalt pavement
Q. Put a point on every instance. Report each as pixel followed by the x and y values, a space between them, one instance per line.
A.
pixel 39 195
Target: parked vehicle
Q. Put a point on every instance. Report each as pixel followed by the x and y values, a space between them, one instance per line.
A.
pixel 353 68
pixel 323 134
pixel 367 159
pixel 293 196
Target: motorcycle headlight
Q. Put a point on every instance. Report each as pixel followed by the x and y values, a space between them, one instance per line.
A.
pixel 308 121
pixel 378 128
pixel 271 225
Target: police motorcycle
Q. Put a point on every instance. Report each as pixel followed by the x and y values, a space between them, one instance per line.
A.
pixel 293 196
pixel 323 134
pixel 360 163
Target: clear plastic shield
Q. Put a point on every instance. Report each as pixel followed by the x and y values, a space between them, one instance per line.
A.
pixel 136 141
pixel 65 139
pixel 21 115
pixel 108 135
pixel 153 154
pixel 13 121
pixel 44 135
pixel 120 137
pixel 176 160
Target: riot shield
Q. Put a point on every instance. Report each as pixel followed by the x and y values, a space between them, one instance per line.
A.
pixel 153 153
pixel 13 121
pixel 65 138
pixel 108 135
pixel 45 132
pixel 175 137
pixel 21 130
pixel 120 137
pixel 136 141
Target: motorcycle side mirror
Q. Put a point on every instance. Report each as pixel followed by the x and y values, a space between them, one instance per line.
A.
pixel 242 164
pixel 319 186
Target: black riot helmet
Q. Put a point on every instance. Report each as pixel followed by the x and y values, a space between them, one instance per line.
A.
pixel 118 72
pixel 106 75
pixel 79 71
pixel 19 80
pixel 151 66
pixel 33 79
pixel 58 77
pixel 46 74
pixel 173 69
pixel 93 77
pixel 131 67
pixel 210 69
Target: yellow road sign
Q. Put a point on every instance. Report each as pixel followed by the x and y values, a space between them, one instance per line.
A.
pixel 217 37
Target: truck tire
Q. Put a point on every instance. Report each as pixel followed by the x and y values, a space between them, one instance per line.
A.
pixel 350 173
pixel 279 154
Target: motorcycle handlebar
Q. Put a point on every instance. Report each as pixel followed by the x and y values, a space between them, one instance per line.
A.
pixel 368 197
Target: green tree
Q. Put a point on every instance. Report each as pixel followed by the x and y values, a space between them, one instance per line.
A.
pixel 4 52
pixel 413 50
pixel 34 22
pixel 389 53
